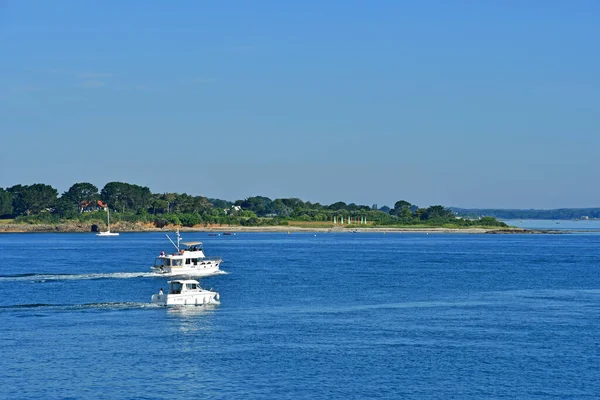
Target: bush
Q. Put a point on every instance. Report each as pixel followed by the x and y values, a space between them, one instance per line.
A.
pixel 160 222
pixel 190 219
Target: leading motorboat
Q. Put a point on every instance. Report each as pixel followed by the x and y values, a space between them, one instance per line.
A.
pixel 189 259
pixel 185 292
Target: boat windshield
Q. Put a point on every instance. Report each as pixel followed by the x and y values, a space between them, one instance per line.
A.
pixel 176 288
pixel 162 262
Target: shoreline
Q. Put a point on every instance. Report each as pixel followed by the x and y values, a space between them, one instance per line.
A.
pixel 136 227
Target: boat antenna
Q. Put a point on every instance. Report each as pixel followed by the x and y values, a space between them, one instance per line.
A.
pixel 178 239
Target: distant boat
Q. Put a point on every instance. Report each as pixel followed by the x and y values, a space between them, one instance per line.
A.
pixel 228 233
pixel 107 232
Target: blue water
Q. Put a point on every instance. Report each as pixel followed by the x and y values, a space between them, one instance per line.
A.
pixel 331 316
pixel 588 225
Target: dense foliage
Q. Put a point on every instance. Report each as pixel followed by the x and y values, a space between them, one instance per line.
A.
pixel 561 213
pixel 127 202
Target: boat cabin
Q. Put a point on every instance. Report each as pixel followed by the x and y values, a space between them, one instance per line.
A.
pixel 192 246
pixel 192 255
pixel 183 286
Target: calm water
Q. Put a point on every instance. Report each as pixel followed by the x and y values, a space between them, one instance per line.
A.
pixel 589 225
pixel 332 316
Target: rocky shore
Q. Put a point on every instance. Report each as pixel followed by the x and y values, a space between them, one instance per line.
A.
pixel 141 227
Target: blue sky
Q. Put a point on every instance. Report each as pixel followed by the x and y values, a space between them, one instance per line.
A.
pixel 460 103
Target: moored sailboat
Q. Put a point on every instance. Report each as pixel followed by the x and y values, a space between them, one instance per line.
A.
pixel 107 232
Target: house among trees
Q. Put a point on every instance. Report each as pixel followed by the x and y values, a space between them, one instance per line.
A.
pixel 91 206
pixel 233 209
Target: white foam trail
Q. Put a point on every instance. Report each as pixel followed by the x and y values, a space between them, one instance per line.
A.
pixel 40 278
pixel 62 277
pixel 108 306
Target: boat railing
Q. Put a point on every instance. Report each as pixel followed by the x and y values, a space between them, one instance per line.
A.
pixel 212 259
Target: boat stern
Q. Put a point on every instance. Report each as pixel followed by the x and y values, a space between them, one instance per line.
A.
pixel 159 270
pixel 159 299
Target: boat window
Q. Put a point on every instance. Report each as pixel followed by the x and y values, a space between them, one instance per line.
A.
pixel 188 261
pixel 177 262
pixel 162 262
pixel 176 288
pixel 190 286
pixel 195 260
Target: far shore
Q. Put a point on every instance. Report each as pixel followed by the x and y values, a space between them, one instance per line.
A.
pixel 124 227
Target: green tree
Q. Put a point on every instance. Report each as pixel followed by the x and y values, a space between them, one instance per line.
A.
pixel 340 205
pixel 260 205
pixel 65 208
pixel 6 200
pixel 33 199
pixel 123 196
pixel 281 209
pixel 217 203
pixel 400 208
pixel 437 212
pixel 293 202
pixel 115 195
pixel 81 194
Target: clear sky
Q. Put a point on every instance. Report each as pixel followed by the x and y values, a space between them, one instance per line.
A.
pixel 459 103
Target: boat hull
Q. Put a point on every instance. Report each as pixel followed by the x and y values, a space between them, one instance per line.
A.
pixel 192 299
pixel 205 268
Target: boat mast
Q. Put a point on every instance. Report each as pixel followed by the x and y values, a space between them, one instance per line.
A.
pixel 178 240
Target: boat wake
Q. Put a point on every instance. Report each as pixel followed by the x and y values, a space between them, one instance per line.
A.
pixel 110 306
pixel 40 278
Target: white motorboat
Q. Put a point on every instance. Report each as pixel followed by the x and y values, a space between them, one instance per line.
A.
pixel 107 232
pixel 189 260
pixel 185 292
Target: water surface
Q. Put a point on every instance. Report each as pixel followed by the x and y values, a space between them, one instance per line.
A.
pixel 331 316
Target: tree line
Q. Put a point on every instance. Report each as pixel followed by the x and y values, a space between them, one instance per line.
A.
pixel 559 213
pixel 129 202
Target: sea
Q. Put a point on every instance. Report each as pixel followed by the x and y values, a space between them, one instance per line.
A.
pixel 304 316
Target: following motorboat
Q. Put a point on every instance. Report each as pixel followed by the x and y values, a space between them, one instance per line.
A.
pixel 187 260
pixel 185 292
